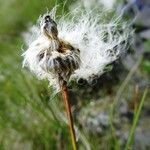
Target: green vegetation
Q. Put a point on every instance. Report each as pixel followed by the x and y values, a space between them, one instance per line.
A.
pixel 135 121
pixel 29 119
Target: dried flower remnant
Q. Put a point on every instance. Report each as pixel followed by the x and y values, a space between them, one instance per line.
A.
pixel 80 45
pixel 100 43
pixel 50 57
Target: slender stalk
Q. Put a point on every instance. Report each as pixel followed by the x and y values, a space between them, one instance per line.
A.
pixel 135 122
pixel 69 115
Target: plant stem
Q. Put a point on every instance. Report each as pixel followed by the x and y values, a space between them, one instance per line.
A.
pixel 135 121
pixel 69 114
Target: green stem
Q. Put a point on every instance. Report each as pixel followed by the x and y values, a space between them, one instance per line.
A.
pixel 135 121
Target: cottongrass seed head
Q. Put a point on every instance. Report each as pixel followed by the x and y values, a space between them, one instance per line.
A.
pixel 77 45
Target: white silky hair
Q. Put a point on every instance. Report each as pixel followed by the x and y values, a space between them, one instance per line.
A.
pixel 31 59
pixel 88 4
pixel 100 42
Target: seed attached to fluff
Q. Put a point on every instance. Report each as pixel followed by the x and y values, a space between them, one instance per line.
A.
pixel 51 56
pixel 54 48
pixel 79 46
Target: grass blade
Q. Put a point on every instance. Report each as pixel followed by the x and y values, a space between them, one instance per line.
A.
pixel 135 121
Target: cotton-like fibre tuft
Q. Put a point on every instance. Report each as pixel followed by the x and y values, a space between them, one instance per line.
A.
pixel 99 42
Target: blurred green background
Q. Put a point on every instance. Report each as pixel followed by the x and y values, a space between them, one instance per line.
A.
pixel 29 120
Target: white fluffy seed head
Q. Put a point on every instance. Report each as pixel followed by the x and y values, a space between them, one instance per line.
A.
pixel 100 42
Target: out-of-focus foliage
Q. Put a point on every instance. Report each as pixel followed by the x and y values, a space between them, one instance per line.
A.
pixel 28 119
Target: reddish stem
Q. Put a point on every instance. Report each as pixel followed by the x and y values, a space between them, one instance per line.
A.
pixel 69 114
